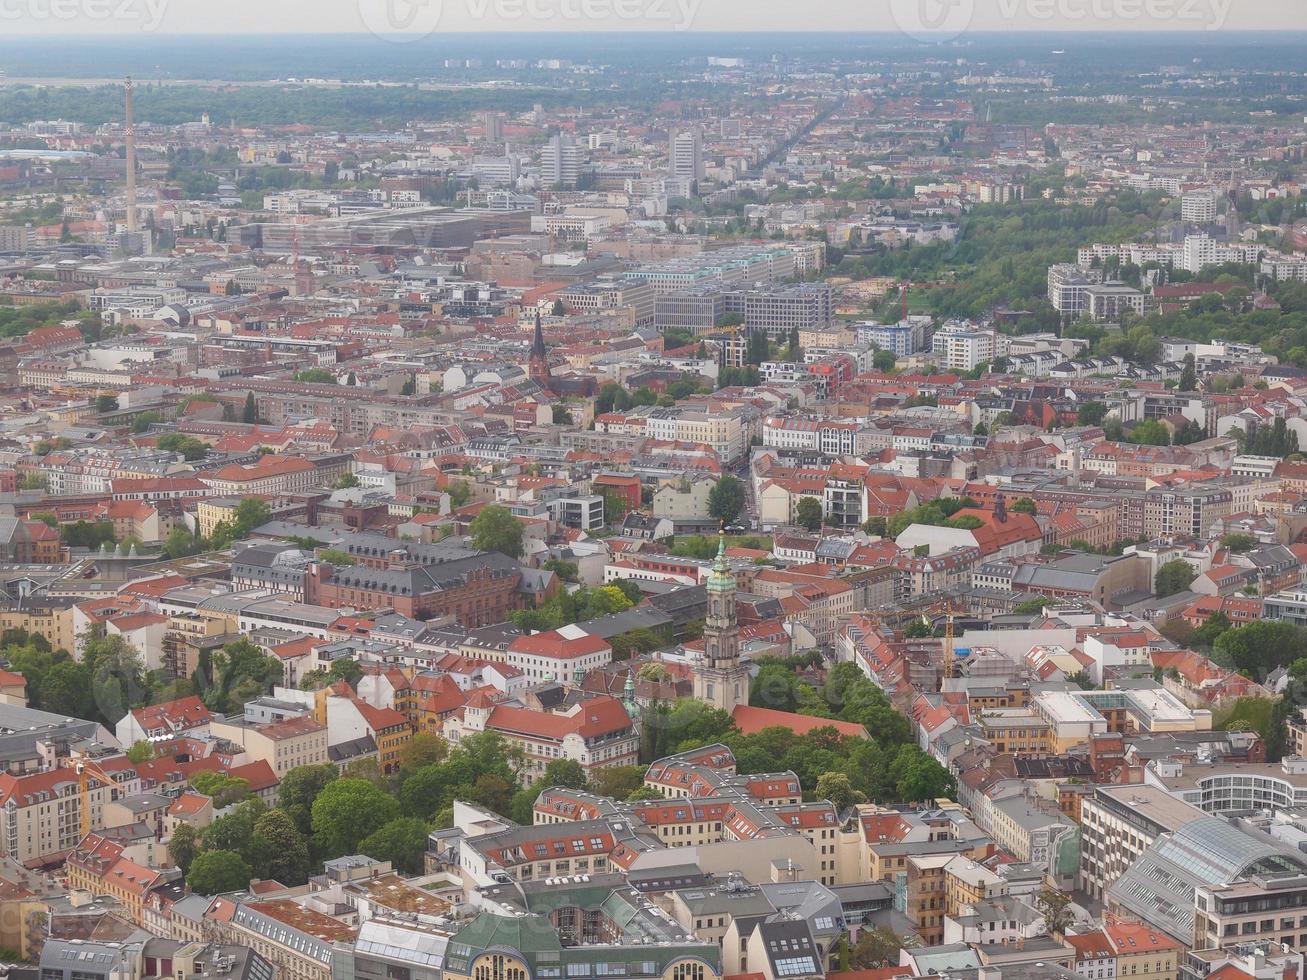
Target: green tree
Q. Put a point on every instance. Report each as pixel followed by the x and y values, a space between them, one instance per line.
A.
pixel 566 570
pixel 1206 635
pixel 143 421
pixel 250 414
pixel 1055 906
pixel 278 849
pixel 884 361
pixel 423 749
pixel 223 788
pixel 188 447
pixel 836 787
pixel 234 830
pixel 918 629
pixel 777 687
pixel 347 811
pixel 459 493
pixel 334 556
pixel 1239 543
pixel 250 514
pixel 920 777
pixel 1024 506
pixel 106 403
pixel 807 513
pixel 1175 576
pixel 181 543
pixel 1150 432
pixel 117 674
pixel 402 842
pixel 876 948
pixel 318 376
pixel 726 499
pixel 183 846
pixel 1091 413
pixel 616 507
pixel 565 772
pixel 496 529
pixel 1032 606
pixel 1189 375
pixel 140 752
pixel 617 782
pixel 235 674
pixel 215 872
pixel 65 688
pixel 300 787
pixel 1258 648
pixel 345 481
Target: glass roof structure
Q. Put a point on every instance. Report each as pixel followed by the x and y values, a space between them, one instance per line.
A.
pixel 1159 887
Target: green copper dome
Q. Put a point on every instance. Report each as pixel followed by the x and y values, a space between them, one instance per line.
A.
pixel 721 579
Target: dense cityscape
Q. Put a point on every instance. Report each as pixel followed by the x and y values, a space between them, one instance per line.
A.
pixel 654 507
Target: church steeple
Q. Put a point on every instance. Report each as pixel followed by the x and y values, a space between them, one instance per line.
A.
pixel 537 367
pixel 538 344
pixel 719 677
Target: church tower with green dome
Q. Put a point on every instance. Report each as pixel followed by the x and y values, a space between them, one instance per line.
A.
pixel 719 677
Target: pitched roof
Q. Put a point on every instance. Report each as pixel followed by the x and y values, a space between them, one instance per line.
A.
pixel 751 720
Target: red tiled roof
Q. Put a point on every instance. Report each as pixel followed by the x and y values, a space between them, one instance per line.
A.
pixel 751 720
pixel 554 644
pixel 596 716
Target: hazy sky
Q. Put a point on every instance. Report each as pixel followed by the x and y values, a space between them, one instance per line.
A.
pixel 925 18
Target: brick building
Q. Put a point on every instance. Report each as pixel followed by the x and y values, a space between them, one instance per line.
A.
pixel 477 590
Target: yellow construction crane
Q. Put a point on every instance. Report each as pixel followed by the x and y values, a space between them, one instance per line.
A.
pixel 948 644
pixel 84 797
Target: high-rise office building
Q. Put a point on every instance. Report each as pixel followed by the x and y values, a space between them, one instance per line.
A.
pixel 560 162
pixel 686 154
pixel 494 127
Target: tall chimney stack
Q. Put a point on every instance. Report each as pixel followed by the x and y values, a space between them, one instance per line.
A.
pixel 129 125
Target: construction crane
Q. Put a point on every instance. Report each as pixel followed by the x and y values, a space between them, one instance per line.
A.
pixel 948 645
pixel 950 654
pixel 84 797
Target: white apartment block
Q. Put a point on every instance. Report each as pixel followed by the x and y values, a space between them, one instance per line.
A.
pixel 1201 251
pixel 816 435
pixel 1198 207
pixel 964 350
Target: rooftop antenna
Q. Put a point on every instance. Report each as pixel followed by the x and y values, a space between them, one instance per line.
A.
pixel 129 126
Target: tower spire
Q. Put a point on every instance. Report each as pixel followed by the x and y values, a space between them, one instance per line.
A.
pixel 129 132
pixel 538 364
pixel 719 677
pixel 538 343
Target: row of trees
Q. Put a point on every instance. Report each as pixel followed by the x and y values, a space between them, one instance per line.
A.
pixel 578 606
pixel 249 514
pixel 888 767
